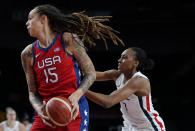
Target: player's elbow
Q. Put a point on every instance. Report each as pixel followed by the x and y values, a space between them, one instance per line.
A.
pixel 91 74
pixel 107 106
pixel 108 103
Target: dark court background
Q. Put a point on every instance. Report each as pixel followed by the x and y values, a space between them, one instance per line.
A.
pixel 163 28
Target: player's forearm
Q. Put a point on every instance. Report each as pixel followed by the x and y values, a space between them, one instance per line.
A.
pixel 35 101
pixel 100 76
pixel 100 99
pixel 107 75
pixel 87 81
pixel 84 86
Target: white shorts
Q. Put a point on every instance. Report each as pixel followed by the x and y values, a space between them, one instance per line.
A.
pixel 128 127
pixel 134 129
pixel 144 127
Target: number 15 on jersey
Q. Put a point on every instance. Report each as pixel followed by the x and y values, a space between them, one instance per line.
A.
pixel 50 75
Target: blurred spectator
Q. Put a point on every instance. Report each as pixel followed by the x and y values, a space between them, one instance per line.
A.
pixel 26 121
pixel 27 124
pixel 11 124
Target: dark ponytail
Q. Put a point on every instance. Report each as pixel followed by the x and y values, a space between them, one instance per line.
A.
pixel 144 62
pixel 148 64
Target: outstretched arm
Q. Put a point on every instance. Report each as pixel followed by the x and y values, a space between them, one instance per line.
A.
pixel 138 85
pixel 107 75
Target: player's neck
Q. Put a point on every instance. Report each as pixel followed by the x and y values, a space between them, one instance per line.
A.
pixel 46 39
pixel 10 123
pixel 128 75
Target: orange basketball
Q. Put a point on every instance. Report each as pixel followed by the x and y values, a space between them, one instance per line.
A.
pixel 58 109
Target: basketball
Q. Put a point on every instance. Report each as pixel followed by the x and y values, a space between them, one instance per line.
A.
pixel 58 109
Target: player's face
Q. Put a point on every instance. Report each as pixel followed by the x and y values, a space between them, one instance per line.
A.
pixel 34 24
pixel 11 115
pixel 127 61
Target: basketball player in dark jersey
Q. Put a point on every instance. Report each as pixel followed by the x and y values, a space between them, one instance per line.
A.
pixel 52 63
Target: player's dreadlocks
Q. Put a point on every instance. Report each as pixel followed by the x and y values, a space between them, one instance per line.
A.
pixel 87 28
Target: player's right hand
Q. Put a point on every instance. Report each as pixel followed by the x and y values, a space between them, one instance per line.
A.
pixel 44 116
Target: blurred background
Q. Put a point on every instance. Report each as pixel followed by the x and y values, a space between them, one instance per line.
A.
pixel 163 28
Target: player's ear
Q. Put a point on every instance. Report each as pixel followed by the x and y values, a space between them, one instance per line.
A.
pixel 44 19
pixel 136 63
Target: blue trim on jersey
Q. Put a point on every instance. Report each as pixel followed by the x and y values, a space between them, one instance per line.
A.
pixel 76 67
pixel 83 104
pixel 71 56
pixel 33 49
pixel 84 111
pixel 146 113
pixel 77 71
pixel 47 49
pixel 63 44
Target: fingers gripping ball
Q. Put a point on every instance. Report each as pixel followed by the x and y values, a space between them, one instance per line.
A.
pixel 58 109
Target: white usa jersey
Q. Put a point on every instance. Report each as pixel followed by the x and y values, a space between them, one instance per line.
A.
pixel 15 128
pixel 138 112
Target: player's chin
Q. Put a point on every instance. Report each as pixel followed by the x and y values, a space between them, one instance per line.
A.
pixel 121 69
pixel 31 33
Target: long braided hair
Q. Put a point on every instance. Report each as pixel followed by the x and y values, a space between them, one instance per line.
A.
pixel 87 28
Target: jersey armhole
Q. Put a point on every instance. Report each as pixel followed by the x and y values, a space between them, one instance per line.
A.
pixel 64 44
pixel 62 41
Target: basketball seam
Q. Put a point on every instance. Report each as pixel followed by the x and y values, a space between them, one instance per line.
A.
pixel 69 108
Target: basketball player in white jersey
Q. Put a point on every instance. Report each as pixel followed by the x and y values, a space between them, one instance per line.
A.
pixel 133 92
pixel 11 124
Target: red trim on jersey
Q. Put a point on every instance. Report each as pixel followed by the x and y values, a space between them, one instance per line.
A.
pixel 155 115
pixel 148 102
pixel 158 122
